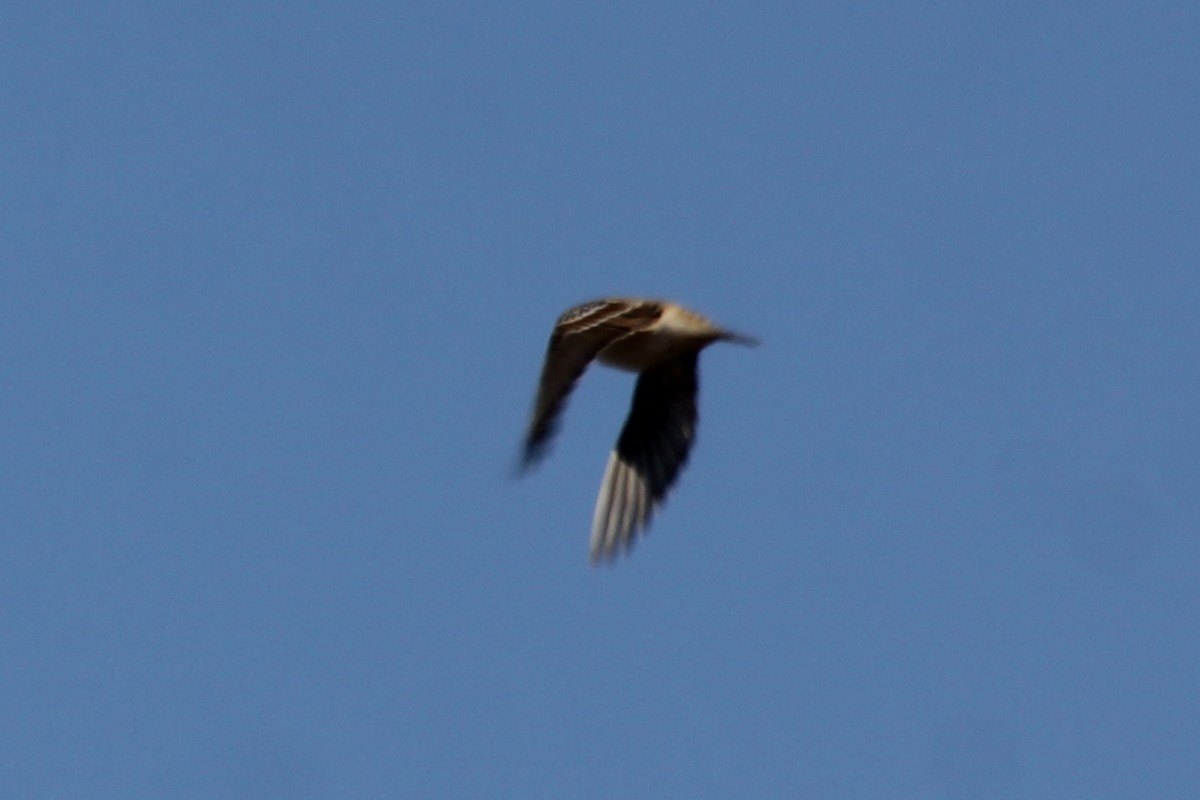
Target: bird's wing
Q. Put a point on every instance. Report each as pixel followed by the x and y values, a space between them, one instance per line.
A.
pixel 651 451
pixel 578 336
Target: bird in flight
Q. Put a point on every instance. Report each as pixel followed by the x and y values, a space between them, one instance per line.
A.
pixel 659 340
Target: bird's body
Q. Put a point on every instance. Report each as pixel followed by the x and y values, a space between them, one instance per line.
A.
pixel 659 340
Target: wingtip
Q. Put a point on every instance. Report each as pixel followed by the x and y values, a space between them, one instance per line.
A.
pixel 528 458
pixel 607 554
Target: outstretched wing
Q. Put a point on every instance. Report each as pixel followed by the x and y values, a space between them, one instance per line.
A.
pixel 651 451
pixel 578 336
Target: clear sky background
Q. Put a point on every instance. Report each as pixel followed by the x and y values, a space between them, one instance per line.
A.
pixel 275 284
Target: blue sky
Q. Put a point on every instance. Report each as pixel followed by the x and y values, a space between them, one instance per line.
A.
pixel 275 283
